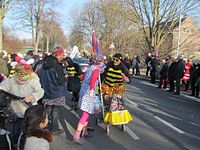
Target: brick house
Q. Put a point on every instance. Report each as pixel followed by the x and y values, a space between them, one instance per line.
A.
pixel 190 38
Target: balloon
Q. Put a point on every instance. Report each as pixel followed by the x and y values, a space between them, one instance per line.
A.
pixel 22 61
pixel 75 52
pixel 17 59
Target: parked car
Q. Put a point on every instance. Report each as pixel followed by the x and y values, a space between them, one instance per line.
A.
pixel 83 63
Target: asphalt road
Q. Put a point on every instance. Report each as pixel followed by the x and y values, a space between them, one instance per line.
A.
pixel 162 121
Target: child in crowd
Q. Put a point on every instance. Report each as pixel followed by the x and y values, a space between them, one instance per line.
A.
pixel 35 136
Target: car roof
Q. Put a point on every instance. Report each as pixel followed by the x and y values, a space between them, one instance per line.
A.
pixel 80 60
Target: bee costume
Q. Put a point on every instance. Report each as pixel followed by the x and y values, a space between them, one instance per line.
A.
pixel 113 88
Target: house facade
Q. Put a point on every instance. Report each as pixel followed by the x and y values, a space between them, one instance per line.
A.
pixel 189 39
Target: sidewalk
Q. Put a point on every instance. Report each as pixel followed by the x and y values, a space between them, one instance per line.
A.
pixel 183 93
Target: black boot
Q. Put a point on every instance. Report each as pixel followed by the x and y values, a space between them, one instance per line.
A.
pixel 75 106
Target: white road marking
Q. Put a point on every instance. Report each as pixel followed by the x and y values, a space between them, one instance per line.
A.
pixel 169 125
pixel 131 133
pixel 194 124
pixel 191 97
pixel 133 87
pixel 150 84
pixel 129 101
pixel 70 128
pixel 72 111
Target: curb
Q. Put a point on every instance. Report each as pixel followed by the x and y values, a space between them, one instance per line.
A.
pixel 157 81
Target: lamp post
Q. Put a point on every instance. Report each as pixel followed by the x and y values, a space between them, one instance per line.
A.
pixel 179 30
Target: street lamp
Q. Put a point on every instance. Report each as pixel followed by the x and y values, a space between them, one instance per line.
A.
pixel 179 30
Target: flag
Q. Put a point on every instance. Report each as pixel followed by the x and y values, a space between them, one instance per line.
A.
pixel 102 67
pixel 95 44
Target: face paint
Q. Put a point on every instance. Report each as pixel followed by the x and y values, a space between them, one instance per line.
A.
pixel 22 77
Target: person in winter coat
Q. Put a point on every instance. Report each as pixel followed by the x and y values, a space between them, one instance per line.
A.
pixel 171 70
pixel 34 135
pixel 138 65
pixel 178 73
pixel 24 83
pixel 147 60
pixel 195 74
pixel 74 83
pixel 53 81
pixel 87 97
pixel 133 65
pixel 127 62
pixel 164 74
pixel 154 64
pixel 186 77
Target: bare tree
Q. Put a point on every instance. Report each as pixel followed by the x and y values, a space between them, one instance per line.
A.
pixel 59 38
pixel 76 37
pixel 12 42
pixel 30 14
pixel 110 19
pixel 158 18
pixel 49 26
pixel 4 4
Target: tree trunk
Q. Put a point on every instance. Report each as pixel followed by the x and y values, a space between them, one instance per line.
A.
pixel 33 34
pixel 37 41
pixel 47 44
pixel 38 24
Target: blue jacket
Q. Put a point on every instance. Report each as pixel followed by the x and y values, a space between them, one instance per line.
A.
pixel 52 78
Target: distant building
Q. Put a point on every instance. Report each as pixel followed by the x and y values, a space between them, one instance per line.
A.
pixel 189 39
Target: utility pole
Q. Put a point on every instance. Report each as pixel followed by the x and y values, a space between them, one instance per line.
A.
pixel 179 30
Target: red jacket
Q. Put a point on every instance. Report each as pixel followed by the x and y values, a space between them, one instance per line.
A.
pixel 186 76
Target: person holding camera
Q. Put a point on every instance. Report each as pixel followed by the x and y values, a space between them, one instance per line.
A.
pixel 25 84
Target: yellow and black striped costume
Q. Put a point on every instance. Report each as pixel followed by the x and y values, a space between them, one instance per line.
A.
pixel 71 70
pixel 113 75
pixel 74 82
pixel 113 86
pixel 74 71
pixel 12 72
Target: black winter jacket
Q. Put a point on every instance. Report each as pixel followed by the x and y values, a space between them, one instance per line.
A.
pixel 52 78
pixel 164 70
pixel 172 70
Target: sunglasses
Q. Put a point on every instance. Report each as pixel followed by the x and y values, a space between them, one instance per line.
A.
pixel 115 59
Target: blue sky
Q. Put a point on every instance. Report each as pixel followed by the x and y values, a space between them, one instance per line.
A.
pixel 64 10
